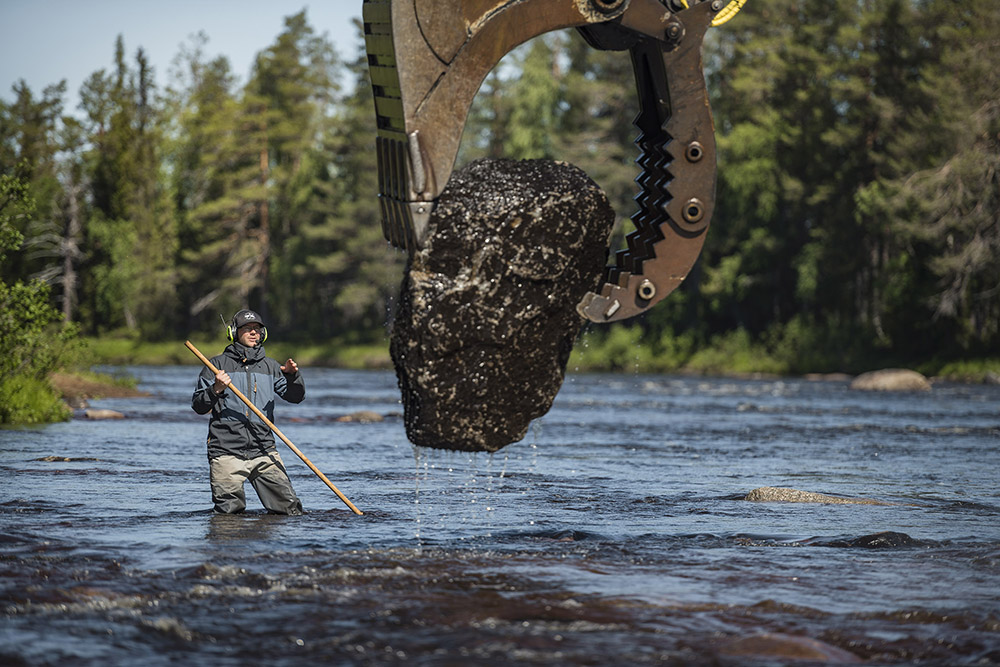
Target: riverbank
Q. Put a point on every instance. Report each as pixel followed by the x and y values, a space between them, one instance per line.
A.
pixel 621 352
pixel 116 351
pixel 77 387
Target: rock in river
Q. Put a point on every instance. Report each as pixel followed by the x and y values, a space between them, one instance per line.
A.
pixel 487 314
pixel 777 494
pixel 891 379
pixel 102 414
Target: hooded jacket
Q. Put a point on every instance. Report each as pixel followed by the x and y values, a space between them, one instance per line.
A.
pixel 234 429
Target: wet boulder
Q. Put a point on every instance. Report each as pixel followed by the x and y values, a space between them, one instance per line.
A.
pixel 487 314
pixel 885 539
pixel 891 379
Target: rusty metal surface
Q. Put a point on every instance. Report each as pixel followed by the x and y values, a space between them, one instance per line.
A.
pixel 428 58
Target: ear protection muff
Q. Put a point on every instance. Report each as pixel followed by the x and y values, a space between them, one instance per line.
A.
pixel 230 331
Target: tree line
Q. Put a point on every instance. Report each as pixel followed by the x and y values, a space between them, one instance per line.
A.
pixel 857 205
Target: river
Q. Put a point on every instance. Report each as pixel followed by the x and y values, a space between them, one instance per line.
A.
pixel 615 532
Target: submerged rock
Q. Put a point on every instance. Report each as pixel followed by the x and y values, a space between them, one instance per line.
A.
pixel 52 457
pixel 783 495
pixel 487 314
pixel 362 417
pixel 885 539
pixel 783 648
pixel 891 379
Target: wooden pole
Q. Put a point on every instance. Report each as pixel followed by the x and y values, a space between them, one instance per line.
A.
pixel 274 428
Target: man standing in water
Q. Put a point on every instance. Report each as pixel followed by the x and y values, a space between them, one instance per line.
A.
pixel 240 445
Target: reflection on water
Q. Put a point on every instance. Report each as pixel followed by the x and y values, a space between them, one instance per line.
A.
pixel 615 532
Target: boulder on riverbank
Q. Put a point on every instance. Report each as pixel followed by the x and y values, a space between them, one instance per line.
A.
pixel 775 494
pixel 891 379
pixel 487 314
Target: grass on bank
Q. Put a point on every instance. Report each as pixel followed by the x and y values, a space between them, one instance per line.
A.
pixel 789 351
pixel 127 351
pixel 617 349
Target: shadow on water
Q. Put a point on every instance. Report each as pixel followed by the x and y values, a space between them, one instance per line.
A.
pixel 617 531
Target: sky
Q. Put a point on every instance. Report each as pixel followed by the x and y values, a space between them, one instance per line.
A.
pixel 45 41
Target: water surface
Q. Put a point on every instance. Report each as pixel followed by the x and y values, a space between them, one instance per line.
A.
pixel 615 532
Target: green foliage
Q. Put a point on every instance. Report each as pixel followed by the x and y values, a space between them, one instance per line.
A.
pixel 33 343
pixel 968 370
pixel 129 230
pixel 620 348
pixel 533 99
pixel 341 264
pixel 15 204
pixel 735 352
pixel 28 400
pixel 855 221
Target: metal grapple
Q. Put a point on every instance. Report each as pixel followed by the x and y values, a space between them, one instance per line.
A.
pixel 428 58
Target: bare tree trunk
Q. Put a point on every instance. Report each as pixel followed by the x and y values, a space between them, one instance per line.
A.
pixel 264 234
pixel 71 250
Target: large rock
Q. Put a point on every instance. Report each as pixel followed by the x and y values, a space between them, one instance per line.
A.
pixel 891 379
pixel 487 314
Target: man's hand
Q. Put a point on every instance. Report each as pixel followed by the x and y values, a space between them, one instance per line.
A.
pixel 221 380
pixel 290 367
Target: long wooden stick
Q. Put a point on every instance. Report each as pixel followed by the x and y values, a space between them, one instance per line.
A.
pixel 274 428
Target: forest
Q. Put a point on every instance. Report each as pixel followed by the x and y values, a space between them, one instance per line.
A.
pixel 856 222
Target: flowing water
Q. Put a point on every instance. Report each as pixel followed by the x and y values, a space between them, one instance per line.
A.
pixel 614 532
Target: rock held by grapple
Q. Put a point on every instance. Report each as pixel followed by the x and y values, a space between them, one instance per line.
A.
pixel 487 314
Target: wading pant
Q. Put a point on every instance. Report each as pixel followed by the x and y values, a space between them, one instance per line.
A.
pixel 265 473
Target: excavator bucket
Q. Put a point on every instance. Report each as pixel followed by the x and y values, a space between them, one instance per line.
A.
pixel 428 58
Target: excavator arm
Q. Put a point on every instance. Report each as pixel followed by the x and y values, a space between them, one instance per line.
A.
pixel 428 58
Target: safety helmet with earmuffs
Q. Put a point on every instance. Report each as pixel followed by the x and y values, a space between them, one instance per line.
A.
pixel 243 318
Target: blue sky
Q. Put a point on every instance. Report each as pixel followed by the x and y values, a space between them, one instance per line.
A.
pixel 44 41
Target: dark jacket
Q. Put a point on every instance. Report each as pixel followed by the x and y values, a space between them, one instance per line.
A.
pixel 234 429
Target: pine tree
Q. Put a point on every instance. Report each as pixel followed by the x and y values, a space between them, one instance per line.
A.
pixel 291 94
pixel 130 231
pixel 29 130
pixel 215 169
pixel 344 268
pixel 946 208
